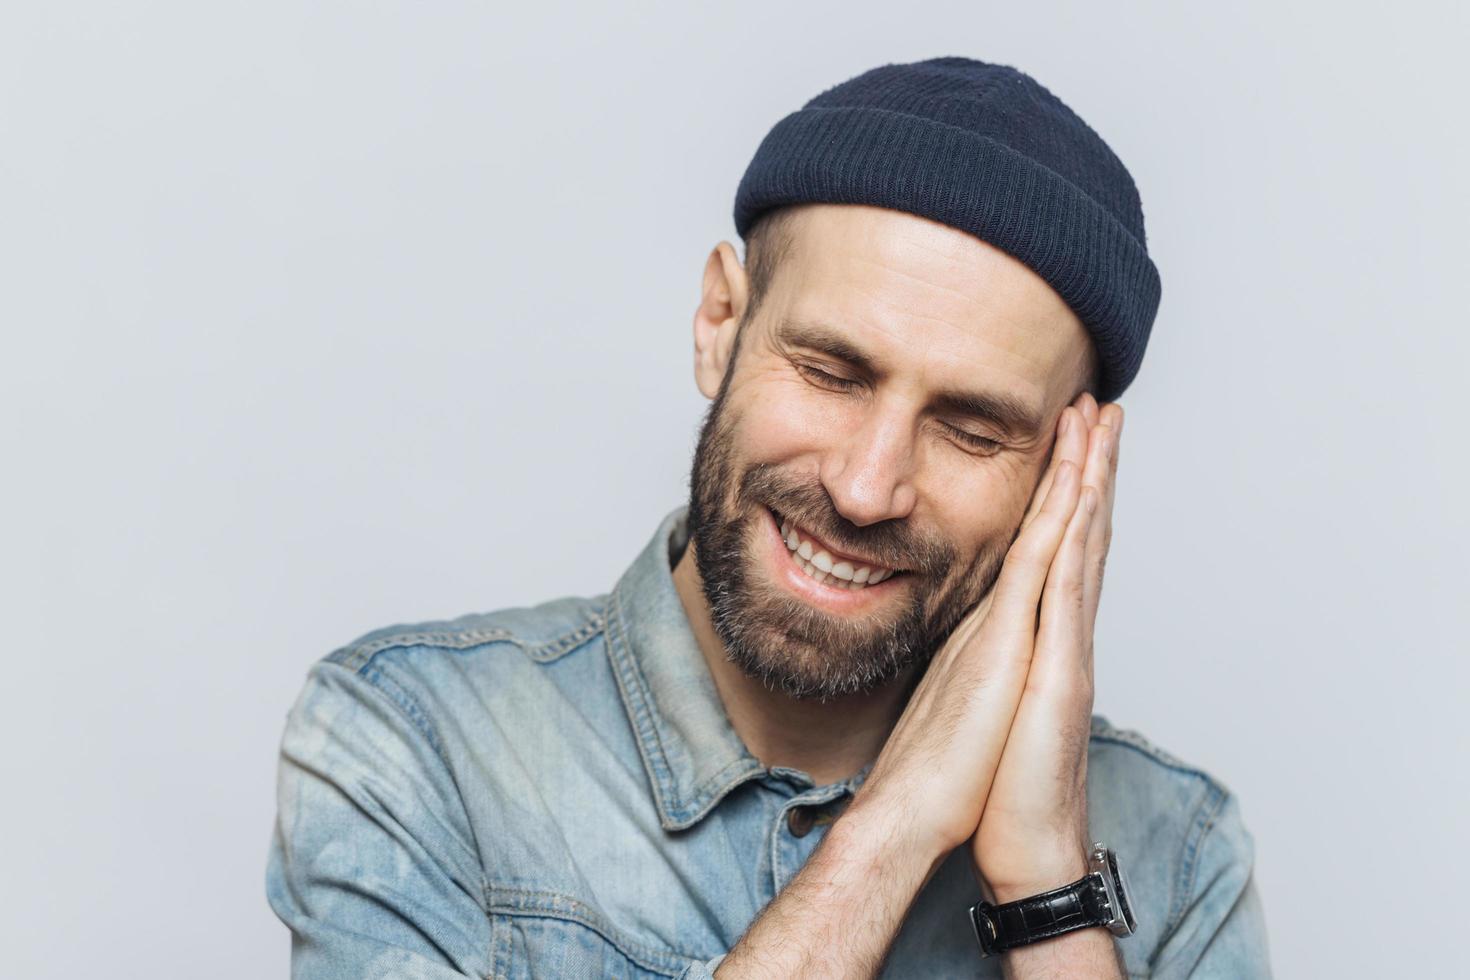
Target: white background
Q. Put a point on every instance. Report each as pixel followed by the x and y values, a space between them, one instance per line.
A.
pixel 320 317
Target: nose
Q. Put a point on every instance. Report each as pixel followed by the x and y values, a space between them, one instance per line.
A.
pixel 868 473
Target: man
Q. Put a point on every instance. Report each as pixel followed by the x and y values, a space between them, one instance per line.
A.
pixel 835 720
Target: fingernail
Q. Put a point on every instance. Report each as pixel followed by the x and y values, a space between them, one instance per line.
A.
pixel 1066 423
pixel 1090 495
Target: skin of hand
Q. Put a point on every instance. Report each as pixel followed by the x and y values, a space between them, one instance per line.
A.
pixel 1033 834
pixel 939 765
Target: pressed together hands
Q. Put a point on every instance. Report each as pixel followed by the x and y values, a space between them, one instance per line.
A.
pixel 990 752
pixel 995 735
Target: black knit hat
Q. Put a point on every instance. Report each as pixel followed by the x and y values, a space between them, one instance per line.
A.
pixel 986 149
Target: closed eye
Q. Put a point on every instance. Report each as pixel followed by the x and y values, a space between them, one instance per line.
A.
pixel 969 440
pixel 826 380
pixel 973 441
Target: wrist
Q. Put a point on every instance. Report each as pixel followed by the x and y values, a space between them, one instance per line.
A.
pixel 845 906
pixel 882 834
pixel 1045 924
pixel 1040 873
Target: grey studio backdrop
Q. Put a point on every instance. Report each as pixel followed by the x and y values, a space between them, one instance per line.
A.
pixel 320 317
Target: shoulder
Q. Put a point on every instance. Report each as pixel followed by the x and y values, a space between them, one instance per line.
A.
pixel 540 633
pixel 1177 826
pixel 1136 779
pixel 1124 759
pixel 444 674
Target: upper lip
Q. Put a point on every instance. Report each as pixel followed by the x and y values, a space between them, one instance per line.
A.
pixel 836 555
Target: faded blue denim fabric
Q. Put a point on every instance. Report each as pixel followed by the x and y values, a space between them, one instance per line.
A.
pixel 556 792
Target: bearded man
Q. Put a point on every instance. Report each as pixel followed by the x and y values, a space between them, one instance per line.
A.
pixel 836 718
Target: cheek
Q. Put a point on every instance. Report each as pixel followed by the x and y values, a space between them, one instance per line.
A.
pixel 984 503
pixel 782 420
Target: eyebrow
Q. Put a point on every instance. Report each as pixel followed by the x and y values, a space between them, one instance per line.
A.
pixel 1004 410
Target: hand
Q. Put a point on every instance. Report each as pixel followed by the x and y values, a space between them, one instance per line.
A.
pixel 934 775
pixel 1033 834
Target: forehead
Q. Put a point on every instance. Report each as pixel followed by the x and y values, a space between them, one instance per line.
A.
pixel 935 304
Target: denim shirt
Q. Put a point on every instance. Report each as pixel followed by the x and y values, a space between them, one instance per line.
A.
pixel 556 791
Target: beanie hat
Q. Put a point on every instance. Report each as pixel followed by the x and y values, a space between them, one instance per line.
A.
pixel 986 149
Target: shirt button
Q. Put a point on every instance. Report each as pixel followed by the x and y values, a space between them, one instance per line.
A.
pixel 799 820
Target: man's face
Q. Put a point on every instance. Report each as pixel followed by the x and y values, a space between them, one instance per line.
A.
pixel 854 491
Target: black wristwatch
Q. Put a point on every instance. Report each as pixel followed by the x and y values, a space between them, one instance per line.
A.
pixel 1099 898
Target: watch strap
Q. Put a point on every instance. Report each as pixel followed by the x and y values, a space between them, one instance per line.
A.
pixel 1080 905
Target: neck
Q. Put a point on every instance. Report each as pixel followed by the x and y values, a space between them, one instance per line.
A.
pixel 829 742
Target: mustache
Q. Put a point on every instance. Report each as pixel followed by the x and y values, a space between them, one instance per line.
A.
pixel 890 543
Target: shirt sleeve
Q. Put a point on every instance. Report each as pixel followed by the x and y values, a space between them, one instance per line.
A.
pixel 1222 932
pixel 372 863
pixel 701 970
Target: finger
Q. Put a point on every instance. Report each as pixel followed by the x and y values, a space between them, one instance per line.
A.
pixel 1087 405
pixel 1023 573
pixel 1071 443
pixel 1100 473
pixel 1060 663
pixel 1065 422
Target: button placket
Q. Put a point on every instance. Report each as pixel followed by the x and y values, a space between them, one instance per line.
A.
pixel 789 850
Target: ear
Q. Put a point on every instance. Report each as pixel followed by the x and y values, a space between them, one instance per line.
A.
pixel 721 305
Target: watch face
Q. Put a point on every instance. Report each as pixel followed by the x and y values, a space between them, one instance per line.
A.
pixel 1124 896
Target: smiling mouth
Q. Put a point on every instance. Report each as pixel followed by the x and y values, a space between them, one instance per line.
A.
pixel 827 565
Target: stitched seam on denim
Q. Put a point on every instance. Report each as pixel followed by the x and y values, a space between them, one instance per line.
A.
pixel 775 842
pixel 355 657
pixel 395 695
pixel 681 813
pixel 358 657
pixel 531 903
pixel 500 941
pixel 557 648
pixel 1205 815
pixel 1215 795
pixel 706 799
pixel 1215 803
pixel 394 691
pixel 1140 744
pixel 637 700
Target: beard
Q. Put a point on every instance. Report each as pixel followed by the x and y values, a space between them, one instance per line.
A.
pixel 780 639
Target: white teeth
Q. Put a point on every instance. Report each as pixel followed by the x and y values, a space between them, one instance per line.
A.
pixel 821 566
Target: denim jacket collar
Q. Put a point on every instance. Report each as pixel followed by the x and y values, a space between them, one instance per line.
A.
pixel 692 753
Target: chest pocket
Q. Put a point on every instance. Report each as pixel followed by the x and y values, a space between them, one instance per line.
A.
pixel 545 936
